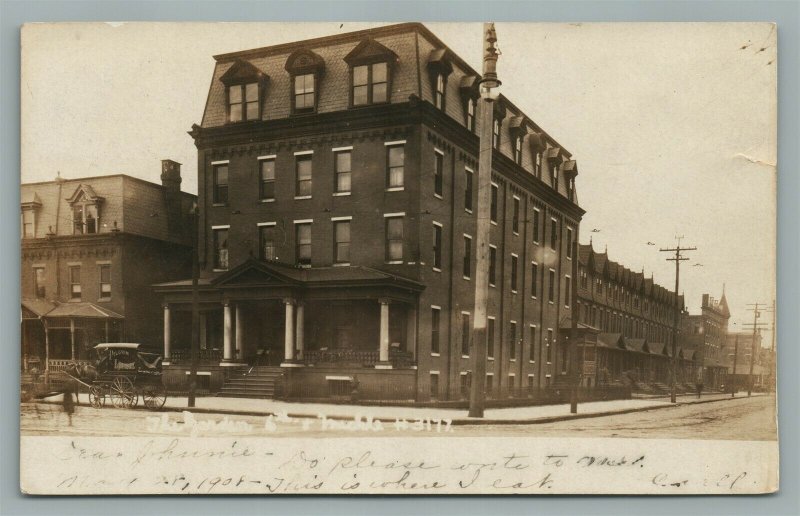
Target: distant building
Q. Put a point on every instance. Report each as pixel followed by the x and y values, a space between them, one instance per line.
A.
pixel 741 346
pixel 91 248
pixel 338 196
pixel 706 334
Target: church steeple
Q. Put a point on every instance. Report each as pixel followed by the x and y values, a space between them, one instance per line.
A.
pixel 723 303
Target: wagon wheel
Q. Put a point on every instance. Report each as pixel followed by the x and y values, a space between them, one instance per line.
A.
pixel 122 392
pixel 97 397
pixel 154 396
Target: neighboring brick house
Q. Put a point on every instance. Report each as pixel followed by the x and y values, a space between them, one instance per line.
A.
pixel 635 318
pixel 91 248
pixel 706 334
pixel 337 195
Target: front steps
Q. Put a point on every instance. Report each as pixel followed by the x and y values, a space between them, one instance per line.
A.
pixel 255 382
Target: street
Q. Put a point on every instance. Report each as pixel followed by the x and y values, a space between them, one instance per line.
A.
pixel 739 419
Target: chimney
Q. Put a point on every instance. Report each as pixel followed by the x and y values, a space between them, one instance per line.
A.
pixel 171 181
pixel 705 300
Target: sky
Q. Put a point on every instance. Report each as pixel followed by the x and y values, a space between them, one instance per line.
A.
pixel 673 126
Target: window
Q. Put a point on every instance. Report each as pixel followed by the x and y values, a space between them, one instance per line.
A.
pixel 537 164
pixel 531 382
pixel 341 235
pixel 303 243
pixel 439 98
pixel 515 220
pixel 536 228
pixel 553 234
pixel 550 344
pixel 243 102
pixel 489 383
pixel 551 295
pixel 554 174
pixel 464 385
pixel 438 174
pixel 437 246
pixel 39 282
pixel 434 386
pixel 514 261
pixel 105 282
pixel 394 239
pixel 221 183
pixel 468 192
pixel 490 337
pixel 84 218
pixel 534 279
pixel 304 100
pixel 266 185
pixel 396 156
pixel 266 237
pixel 512 340
pixel 220 248
pixel 471 114
pixel 436 314
pixel 569 243
pixel 303 173
pixel 492 265
pixel 567 290
pixel 496 134
pixel 532 345
pixel 28 228
pixel 493 210
pixel 467 267
pixel 518 150
pixel 370 84
pixel 584 278
pixel 343 171
pixel 75 282
pixel 465 327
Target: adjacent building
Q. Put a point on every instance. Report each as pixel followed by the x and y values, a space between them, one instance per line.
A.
pixel 91 248
pixel 337 197
pixel 706 334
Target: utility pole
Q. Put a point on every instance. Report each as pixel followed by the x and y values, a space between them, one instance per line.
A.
pixel 772 376
pixel 573 334
pixel 195 351
pixel 677 313
pixel 756 327
pixel 735 356
pixel 489 81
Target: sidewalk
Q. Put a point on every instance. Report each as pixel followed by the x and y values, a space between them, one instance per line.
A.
pixel 518 415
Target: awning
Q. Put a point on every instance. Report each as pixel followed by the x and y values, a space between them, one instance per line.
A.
pixel 35 308
pixel 82 310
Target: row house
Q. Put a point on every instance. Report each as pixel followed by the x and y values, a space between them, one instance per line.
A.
pixel 91 247
pixel 337 223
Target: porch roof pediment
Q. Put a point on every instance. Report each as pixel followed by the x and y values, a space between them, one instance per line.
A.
pixel 254 273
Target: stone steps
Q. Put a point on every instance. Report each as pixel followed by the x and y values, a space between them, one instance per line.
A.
pixel 258 382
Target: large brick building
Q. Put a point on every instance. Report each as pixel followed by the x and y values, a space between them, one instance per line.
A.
pixel 91 248
pixel 706 334
pixel 337 198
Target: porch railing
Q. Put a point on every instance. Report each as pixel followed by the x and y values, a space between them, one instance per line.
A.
pixel 56 364
pixel 398 359
pixel 208 355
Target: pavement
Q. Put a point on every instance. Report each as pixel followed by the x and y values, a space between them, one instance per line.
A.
pixel 513 415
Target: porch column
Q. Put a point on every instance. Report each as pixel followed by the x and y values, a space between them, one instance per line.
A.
pixel 411 331
pixel 46 351
pixel 106 329
pixel 72 336
pixel 238 334
pixel 383 357
pixel 167 336
pixel 288 336
pixel 300 330
pixel 227 329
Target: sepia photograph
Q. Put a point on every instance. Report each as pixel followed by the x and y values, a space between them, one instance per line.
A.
pixel 398 258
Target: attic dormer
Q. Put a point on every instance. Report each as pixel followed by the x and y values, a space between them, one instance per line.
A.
pixel 371 65
pixel 85 204
pixel 244 88
pixel 306 69
pixel 440 67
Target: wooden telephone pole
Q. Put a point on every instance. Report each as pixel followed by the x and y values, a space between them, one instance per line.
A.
pixel 477 397
pixel 677 313
pixel 756 327
pixel 735 356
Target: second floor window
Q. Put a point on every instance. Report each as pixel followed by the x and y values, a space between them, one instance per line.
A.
pixel 266 237
pixel 438 174
pixel 266 185
pixel 370 84
pixel 435 321
pixel 536 228
pixel 243 102
pixel 493 208
pixel 490 337
pixel 341 234
pixel 75 282
pixel 105 282
pixel 39 282
pixel 394 239
pixel 221 248
pixel 567 290
pixel 437 246
pixel 343 164
pixel 395 157
pixel 512 340
pixel 553 234
pixel 550 343
pixel 304 93
pixel 515 219
pixel 569 243
pixel 221 184
pixel 492 265
pixel 303 176
pixel 551 292
pixel 468 190
pixel 514 261
pixel 467 268
pixel 465 328
pixel 303 244
pixel 534 279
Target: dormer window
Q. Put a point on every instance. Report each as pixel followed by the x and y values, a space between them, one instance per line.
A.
pixel 471 115
pixel 470 93
pixel 30 206
pixel 554 159
pixel 244 84
pixel 495 133
pixel 439 69
pixel 370 73
pixel 85 210
pixel 518 150
pixel 306 69
pixel 439 100
pixel 537 164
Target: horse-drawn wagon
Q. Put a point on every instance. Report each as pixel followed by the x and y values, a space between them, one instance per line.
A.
pixel 123 373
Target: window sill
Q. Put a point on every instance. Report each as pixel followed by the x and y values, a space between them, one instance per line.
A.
pixel 304 265
pixel 394 262
pixel 299 197
pixel 434 354
pixel 396 189
pixel 531 361
pixel 512 359
pixel 219 204
pixel 515 233
pixel 219 270
pixel 342 264
pixel 437 269
pixel 266 200
pixel 550 302
pixel 466 278
pixel 490 358
pixel 468 210
pixel 104 300
pixel 492 285
pixel 493 222
pixel 438 196
pixel 464 356
pixel 513 291
pixel 340 194
pixel 534 297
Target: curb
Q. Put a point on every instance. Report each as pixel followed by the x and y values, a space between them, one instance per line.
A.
pixel 454 422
